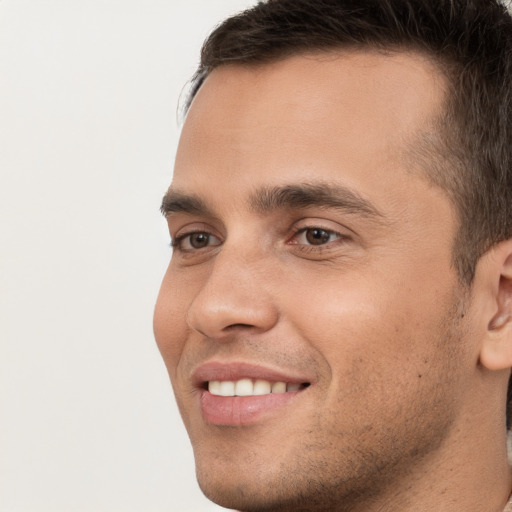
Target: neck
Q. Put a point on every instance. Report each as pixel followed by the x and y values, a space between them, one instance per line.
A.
pixel 469 472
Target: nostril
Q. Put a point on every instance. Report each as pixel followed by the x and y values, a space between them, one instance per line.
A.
pixel 239 326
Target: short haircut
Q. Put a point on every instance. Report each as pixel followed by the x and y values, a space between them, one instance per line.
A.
pixel 470 41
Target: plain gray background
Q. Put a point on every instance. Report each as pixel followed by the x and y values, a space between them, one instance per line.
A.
pixel 88 95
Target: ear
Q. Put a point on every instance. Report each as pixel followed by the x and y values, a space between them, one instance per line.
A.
pixel 496 350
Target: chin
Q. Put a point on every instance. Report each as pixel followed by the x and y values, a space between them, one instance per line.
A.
pixel 243 491
pixel 229 494
pixel 267 487
pixel 237 499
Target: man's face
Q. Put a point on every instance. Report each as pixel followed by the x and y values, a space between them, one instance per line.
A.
pixel 313 256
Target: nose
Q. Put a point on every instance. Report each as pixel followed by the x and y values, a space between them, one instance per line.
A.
pixel 235 296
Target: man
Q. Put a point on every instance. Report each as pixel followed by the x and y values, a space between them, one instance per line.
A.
pixel 336 316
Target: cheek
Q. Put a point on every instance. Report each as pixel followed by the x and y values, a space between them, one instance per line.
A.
pixel 358 323
pixel 389 359
pixel 169 324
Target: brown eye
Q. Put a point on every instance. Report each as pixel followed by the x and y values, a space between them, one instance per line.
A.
pixel 317 236
pixel 195 241
pixel 199 240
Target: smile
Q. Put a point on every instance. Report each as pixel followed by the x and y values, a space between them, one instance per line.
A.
pixel 250 387
pixel 242 394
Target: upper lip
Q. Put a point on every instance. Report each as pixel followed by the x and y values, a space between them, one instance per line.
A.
pixel 233 371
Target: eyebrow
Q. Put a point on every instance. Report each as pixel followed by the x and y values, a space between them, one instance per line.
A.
pixel 307 195
pixel 287 197
pixel 177 202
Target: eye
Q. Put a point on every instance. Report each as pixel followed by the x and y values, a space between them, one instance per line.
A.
pixel 195 241
pixel 315 236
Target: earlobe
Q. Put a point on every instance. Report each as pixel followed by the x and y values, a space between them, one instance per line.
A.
pixel 496 352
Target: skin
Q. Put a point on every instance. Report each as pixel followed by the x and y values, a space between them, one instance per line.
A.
pixel 405 408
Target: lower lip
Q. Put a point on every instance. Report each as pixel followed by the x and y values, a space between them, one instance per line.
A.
pixel 241 410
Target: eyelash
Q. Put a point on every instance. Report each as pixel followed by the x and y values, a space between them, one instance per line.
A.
pixel 177 242
pixel 340 238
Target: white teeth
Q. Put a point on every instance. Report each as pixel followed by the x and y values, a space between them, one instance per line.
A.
pixel 214 387
pixel 262 387
pixel 227 388
pixel 244 387
pixel 247 387
pixel 279 387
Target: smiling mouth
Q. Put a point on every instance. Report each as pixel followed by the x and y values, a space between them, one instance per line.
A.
pixel 251 387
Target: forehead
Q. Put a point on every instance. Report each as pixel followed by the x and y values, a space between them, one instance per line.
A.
pixel 335 116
